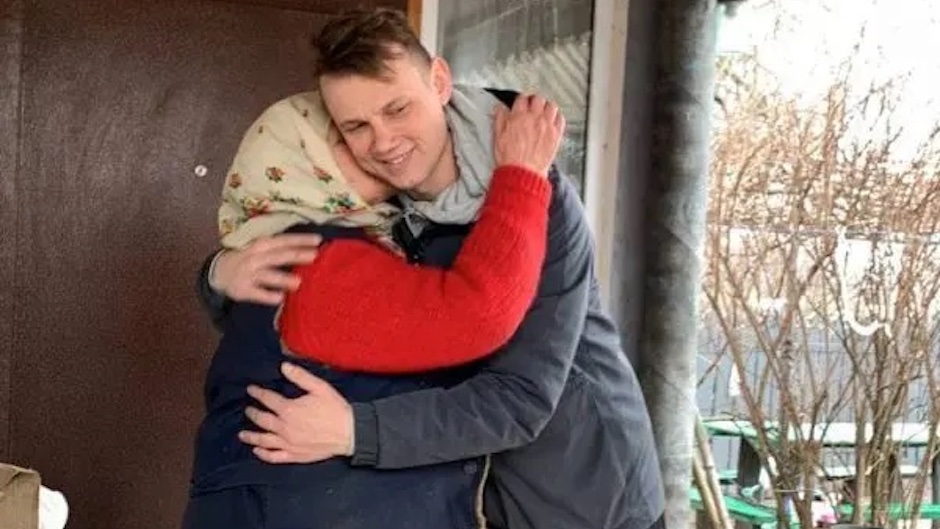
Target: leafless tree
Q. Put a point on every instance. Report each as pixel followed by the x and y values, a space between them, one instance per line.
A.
pixel 823 269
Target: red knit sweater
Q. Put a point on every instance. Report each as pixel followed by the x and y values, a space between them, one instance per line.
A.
pixel 361 308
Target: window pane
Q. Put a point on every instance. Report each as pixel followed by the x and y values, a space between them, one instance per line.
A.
pixel 541 46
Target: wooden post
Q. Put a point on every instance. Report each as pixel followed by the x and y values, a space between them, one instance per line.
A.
pixel 935 479
pixel 709 507
pixel 11 66
pixel 935 485
pixel 703 456
pixel 749 464
pixel 414 15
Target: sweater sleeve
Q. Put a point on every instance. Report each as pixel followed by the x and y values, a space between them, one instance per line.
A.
pixel 361 308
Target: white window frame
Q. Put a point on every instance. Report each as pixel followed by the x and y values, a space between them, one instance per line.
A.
pixel 429 25
pixel 605 119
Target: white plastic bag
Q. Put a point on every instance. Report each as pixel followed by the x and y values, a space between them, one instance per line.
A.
pixel 53 509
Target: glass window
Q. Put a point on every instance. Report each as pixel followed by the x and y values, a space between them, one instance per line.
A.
pixel 541 46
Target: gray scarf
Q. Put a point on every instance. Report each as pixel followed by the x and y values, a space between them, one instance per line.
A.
pixel 470 120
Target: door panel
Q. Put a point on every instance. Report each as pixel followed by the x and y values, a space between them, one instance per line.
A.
pixel 121 101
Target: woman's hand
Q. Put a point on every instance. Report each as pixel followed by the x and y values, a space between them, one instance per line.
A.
pixel 529 134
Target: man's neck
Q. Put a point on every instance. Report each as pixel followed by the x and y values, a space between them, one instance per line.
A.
pixel 442 176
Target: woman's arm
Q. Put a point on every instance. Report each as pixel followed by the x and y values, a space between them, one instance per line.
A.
pixel 508 402
pixel 361 308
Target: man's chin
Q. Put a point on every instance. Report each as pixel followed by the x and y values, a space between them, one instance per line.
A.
pixel 403 184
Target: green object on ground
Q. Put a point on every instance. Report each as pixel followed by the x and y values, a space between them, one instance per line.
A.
pixel 740 510
pixel 898 511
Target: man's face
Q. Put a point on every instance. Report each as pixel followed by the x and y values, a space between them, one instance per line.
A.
pixel 395 127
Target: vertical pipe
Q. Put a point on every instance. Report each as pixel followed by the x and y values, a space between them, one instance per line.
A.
pixel 685 51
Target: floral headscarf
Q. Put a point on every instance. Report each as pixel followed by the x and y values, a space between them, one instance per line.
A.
pixel 284 173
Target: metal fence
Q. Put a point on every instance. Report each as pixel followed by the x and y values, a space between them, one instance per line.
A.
pixel 716 396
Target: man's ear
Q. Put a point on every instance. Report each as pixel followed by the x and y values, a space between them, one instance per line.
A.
pixel 441 80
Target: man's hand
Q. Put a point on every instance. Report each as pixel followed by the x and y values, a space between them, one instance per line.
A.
pixel 255 273
pixel 310 428
pixel 528 135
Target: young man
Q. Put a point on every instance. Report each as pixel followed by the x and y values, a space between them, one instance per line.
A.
pixel 559 407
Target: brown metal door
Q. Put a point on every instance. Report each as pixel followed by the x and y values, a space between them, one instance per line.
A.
pixel 104 216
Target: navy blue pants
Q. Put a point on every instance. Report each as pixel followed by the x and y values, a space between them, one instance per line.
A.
pixel 435 497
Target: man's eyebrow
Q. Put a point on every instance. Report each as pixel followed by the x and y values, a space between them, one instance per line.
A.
pixel 350 122
pixel 393 104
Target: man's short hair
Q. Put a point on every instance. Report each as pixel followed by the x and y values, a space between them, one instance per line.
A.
pixel 361 42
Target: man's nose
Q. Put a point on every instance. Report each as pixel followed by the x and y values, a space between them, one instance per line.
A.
pixel 383 139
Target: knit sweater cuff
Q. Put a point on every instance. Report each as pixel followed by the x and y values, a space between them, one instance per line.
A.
pixel 518 179
pixel 518 197
pixel 366 435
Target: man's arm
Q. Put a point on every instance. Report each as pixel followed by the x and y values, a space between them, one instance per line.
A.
pixel 509 402
pixel 257 273
pixel 216 305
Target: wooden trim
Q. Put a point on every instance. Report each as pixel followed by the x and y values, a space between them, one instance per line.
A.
pixel 11 53
pixel 414 15
pixel 326 7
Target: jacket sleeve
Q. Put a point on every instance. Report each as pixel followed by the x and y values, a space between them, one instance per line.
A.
pixel 216 305
pixel 511 399
pixel 361 308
